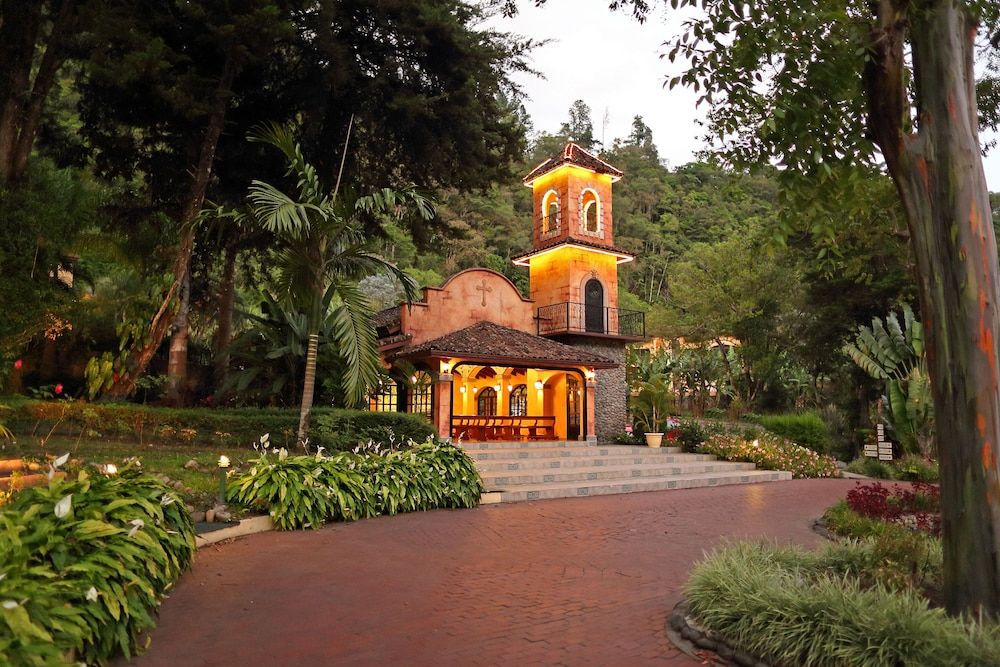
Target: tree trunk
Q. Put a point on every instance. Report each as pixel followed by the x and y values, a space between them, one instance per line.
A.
pixel 939 174
pixel 175 393
pixel 21 100
pixel 224 332
pixel 146 349
pixel 308 387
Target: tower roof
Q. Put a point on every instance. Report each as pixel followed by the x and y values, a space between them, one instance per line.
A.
pixel 573 154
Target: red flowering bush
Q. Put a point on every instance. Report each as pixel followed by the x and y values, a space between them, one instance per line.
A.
pixel 917 507
pixel 769 452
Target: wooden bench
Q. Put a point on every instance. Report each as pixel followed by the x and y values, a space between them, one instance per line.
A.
pixel 498 427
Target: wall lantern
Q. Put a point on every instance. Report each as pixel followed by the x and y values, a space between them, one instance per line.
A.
pixel 510 387
pixel 539 384
pixel 462 389
pixel 589 374
pixel 497 388
pixel 475 389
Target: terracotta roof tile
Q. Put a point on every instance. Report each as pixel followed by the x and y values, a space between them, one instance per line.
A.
pixel 495 343
pixel 387 318
pixel 573 154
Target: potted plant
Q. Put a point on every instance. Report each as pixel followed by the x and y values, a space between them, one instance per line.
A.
pixel 651 405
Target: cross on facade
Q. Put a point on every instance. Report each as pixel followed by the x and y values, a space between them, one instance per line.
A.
pixel 484 288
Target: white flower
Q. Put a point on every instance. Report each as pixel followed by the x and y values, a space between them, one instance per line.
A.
pixel 167 499
pixel 282 454
pixel 61 460
pixel 63 506
pixel 265 438
pixel 137 524
pixel 92 594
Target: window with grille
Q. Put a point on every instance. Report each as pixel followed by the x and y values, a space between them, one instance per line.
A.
pixel 420 396
pixel 486 404
pixel 519 401
pixel 386 398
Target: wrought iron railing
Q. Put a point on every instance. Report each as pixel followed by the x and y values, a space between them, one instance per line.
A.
pixel 569 317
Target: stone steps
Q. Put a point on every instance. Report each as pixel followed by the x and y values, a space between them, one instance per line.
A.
pixel 572 490
pixel 502 479
pixel 516 471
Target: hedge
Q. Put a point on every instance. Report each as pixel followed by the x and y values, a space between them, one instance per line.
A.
pixel 806 429
pixel 85 562
pixel 333 428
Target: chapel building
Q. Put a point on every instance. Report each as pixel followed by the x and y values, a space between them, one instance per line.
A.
pixel 484 363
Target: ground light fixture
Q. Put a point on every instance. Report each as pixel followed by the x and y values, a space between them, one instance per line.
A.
pixel 223 469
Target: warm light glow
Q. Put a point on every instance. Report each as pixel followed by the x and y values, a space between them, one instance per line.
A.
pixel 462 389
pixel 539 384
pixel 413 378
pixel 497 387
pixel 567 169
pixel 510 387
pixel 223 461
pixel 475 389
pixel 589 374
pixel 620 258
pixel 446 367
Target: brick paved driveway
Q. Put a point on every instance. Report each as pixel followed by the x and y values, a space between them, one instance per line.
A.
pixel 582 581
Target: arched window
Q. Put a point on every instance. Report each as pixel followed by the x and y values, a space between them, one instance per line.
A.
pixel 593 300
pixel 519 401
pixel 486 404
pixel 550 212
pixel 591 208
pixel 386 397
pixel 420 394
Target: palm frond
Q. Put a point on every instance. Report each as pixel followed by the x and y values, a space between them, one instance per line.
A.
pixel 280 214
pixel 355 339
pixel 282 138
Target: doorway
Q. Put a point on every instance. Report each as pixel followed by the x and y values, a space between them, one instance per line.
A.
pixel 573 396
pixel 594 306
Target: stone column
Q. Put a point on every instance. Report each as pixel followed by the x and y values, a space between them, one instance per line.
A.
pixel 442 404
pixel 591 410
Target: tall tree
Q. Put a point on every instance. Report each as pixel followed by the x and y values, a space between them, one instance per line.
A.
pixel 322 254
pixel 579 128
pixel 36 38
pixel 824 84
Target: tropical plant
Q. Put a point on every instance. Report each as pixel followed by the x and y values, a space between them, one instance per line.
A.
pixel 894 353
pixel 322 252
pixel 651 405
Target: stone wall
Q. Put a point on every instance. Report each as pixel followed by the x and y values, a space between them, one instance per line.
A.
pixel 612 390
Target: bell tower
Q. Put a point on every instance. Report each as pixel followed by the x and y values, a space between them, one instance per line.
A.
pixel 573 264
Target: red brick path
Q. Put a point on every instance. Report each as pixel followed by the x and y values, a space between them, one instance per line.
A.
pixel 582 581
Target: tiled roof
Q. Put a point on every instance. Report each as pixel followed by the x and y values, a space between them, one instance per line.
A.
pixel 495 343
pixel 387 318
pixel 573 154
pixel 573 241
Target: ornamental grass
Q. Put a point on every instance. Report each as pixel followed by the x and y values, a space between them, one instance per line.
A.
pixel 770 452
pixel 787 606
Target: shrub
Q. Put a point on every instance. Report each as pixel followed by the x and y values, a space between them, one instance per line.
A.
pixel 770 452
pixel 342 430
pixel 85 560
pixel 916 469
pixel 332 428
pixel 715 413
pixel 806 429
pixel 690 434
pixel 626 438
pixel 307 491
pixel 791 607
pixel 872 467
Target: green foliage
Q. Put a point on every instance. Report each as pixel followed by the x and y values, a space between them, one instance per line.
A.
pixel 806 429
pixel 894 353
pixel 307 491
pixel 690 435
pixel 907 468
pixel 86 560
pixel 770 452
pixel 789 606
pixel 651 405
pixel 338 430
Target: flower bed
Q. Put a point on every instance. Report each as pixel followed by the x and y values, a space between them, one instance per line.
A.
pixel 917 507
pixel 308 491
pixel 85 560
pixel 770 452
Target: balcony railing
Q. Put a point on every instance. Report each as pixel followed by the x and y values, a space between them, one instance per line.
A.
pixel 579 318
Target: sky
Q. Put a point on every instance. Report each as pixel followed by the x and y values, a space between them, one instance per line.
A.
pixel 613 63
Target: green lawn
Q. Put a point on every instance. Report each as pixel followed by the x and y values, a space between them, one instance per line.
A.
pixel 158 458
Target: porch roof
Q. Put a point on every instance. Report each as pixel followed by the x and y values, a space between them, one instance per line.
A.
pixel 492 343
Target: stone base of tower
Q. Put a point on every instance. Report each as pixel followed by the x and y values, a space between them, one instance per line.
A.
pixel 611 395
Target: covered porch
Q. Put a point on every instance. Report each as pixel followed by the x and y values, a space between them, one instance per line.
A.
pixel 492 382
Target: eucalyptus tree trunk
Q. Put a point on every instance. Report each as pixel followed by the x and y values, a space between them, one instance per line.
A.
pixel 308 388
pixel 939 174
pixel 224 332
pixel 176 389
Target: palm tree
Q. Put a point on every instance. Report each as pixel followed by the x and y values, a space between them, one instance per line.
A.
pixel 321 253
